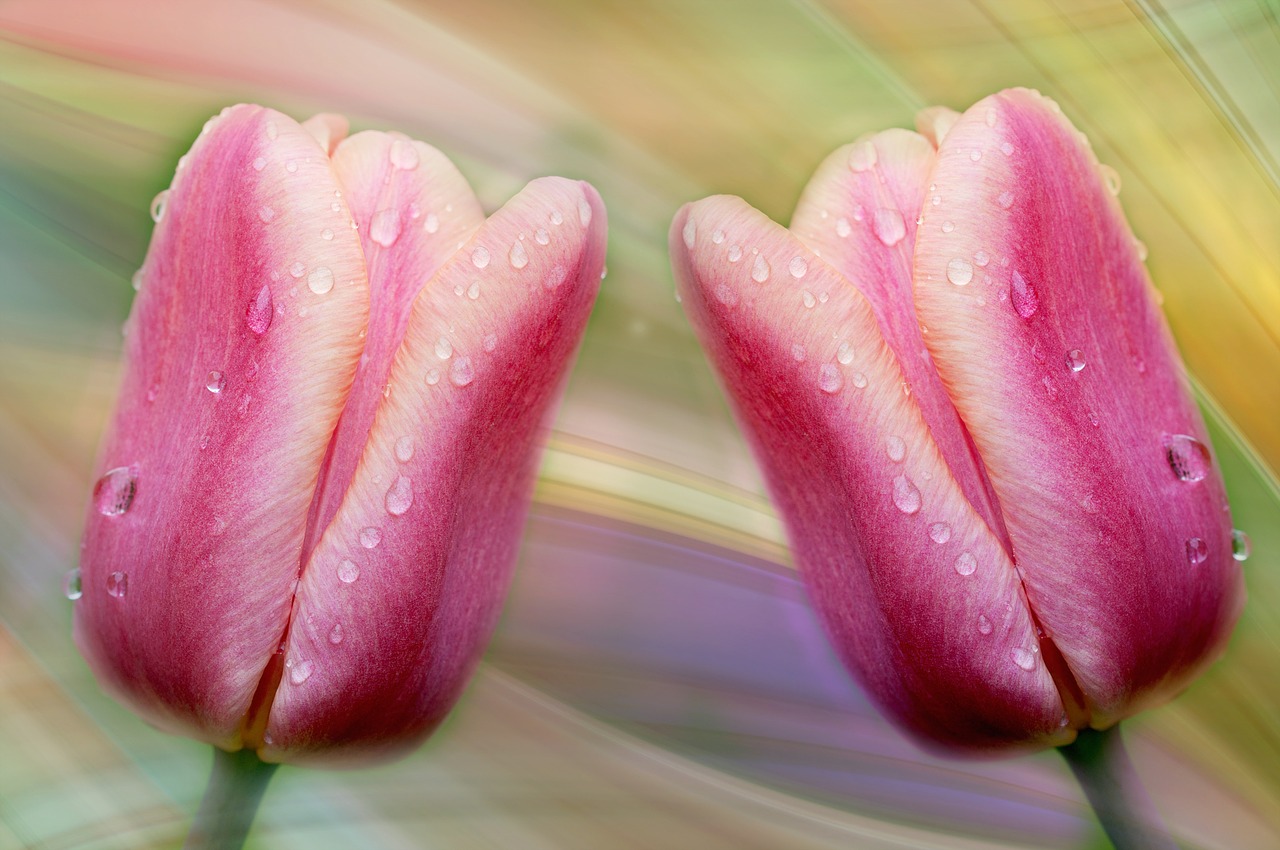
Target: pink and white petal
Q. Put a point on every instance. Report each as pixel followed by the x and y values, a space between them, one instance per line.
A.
pixel 859 214
pixel 1042 325
pixel 413 209
pixel 405 586
pixel 915 591
pixel 241 348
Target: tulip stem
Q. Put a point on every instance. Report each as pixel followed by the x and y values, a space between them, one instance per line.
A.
pixel 1103 769
pixel 236 785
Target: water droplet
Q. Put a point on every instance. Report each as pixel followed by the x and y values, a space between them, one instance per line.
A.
pixel 1005 200
pixel 404 449
pixel 266 214
pixel 1197 550
pixel 214 382
pixel 157 205
pixel 947 226
pixel 735 253
pixel 385 227
pixel 1023 295
pixel 1075 360
pixel 297 270
pixel 1006 148
pixel 966 564
pixel 118 584
pixel 842 227
pixel 335 634
pixel 798 267
pixel 863 156
pixel 490 342
pixel 939 532
pixel 433 377
pixel 71 587
pixel 1241 547
pixel 136 280
pixel 461 373
pixel 432 223
pixel 981 258
pixel 717 237
pixel 1024 658
pixel 404 155
pixel 1142 250
pixel 959 271
pixel 258 314
pixel 889 227
pixel 726 296
pixel 259 164
pixel 1112 178
pixel 348 571
pixel 444 348
pixel 896 448
pixel 370 536
pixel 519 257
pixel 1187 457
pixel 400 496
pixel 984 625
pixel 991 117
pixel 320 280
pixel 473 291
pixel 299 673
pixel 798 353
pixel 859 380
pixel 845 353
pixel 906 495
pixel 541 236
pixel 556 218
pixel 830 379
pixel 291 166
pixel 480 256
pixel 809 300
pixel 760 271
pixel 584 212
pixel 690 233
pixel 272 130
pixel 975 154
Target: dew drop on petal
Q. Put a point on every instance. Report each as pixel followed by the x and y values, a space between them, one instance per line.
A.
pixel 541 236
pixel 266 214
pixel 118 584
pixel 335 634
pixel 689 233
pixel 480 256
pixel 863 156
pixel 760 271
pixel 400 495
pixel 966 564
pixel 444 348
pixel 1023 295
pixel 473 291
pixel 71 586
pixel 981 258
pixel 404 449
pixel 519 257
pixel 348 571
pixel 461 373
pixel 829 378
pixel 906 496
pixel 798 353
pixel 1241 547
pixel 326 235
pixel 735 253
pixel 726 296
pixel 297 270
pixel 584 212
pixel 433 377
pixel 984 625
pixel 858 379
pixel 370 536
pixel 1112 178
pixel 214 382
pixel 1075 360
pixel 889 226
pixel 809 300
pixel 1187 457
pixel 1006 148
pixel 1197 550
pixel 404 155
pixel 1005 200
pixel 798 267
pixel 556 218
pixel 272 130
pixel 959 271
pixel 490 342
pixel 842 227
pixel 1024 658
pixel 939 532
pixel 320 280
pixel 975 155
pixel 896 448
pixel 299 673
pixel 385 227
pixel 431 224
pixel 259 164
pixel 717 237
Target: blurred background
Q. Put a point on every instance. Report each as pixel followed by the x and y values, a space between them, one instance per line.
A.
pixel 657 680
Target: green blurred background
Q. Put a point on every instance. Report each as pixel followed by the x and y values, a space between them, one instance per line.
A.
pixel 657 680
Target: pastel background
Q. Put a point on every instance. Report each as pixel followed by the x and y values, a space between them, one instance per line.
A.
pixel 657 680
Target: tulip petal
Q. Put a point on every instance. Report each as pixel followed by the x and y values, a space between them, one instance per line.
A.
pixel 241 347
pixel 859 213
pixel 405 585
pixel 1043 327
pixel 413 209
pixel 914 589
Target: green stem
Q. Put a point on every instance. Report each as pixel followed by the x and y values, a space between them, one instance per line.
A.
pixel 1102 767
pixel 236 785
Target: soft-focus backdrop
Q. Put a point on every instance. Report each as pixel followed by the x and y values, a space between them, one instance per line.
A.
pixel 657 680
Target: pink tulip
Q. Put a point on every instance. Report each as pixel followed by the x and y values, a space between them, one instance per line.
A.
pixel 312 488
pixel 973 419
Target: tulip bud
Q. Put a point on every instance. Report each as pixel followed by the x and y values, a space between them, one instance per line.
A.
pixel 312 487
pixel 973 420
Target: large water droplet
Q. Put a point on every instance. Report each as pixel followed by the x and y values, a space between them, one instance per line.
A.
pixel 959 271
pixel 798 267
pixel 939 532
pixel 1024 658
pixel 480 256
pixel 829 378
pixel 541 236
pixel 966 564
pixel 845 353
pixel 157 205
pixel 1187 457
pixel 1241 547
pixel 760 271
pixel 518 257
pixel 214 382
pixel 297 270
pixel 735 253
pixel 71 587
pixel 863 156
pixel 717 237
pixel 556 218
pixel 889 226
pixel 896 448
pixel 400 496
pixel 906 495
pixel 370 536
pixel 689 233
pixel 1197 550
pixel 114 492
pixel 348 571
pixel 320 280
pixel 1023 295
pixel 984 625
pixel 461 373
pixel 299 672
pixel 859 380
pixel 118 584
pixel 385 227
pixel 1075 360
pixel 404 449
pixel 444 348
pixel 404 155
pixel 981 258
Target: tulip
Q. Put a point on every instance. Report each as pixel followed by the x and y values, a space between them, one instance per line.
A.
pixel 311 490
pixel 974 422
